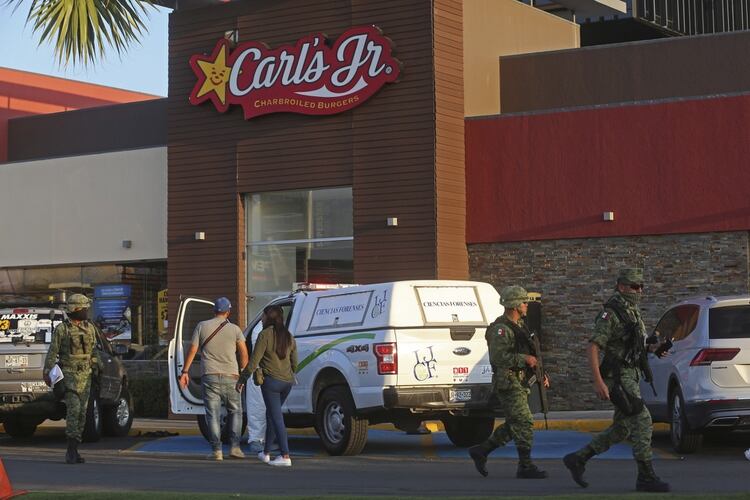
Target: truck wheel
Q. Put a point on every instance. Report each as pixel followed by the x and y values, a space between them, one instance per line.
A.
pixel 342 431
pixel 224 430
pixel 19 428
pixel 684 439
pixel 118 418
pixel 468 431
pixel 92 431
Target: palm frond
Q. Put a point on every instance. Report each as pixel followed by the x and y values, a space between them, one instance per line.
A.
pixel 82 31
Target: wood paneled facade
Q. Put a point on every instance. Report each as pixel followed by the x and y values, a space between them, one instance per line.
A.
pixel 402 151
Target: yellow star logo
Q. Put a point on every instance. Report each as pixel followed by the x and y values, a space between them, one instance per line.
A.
pixel 217 76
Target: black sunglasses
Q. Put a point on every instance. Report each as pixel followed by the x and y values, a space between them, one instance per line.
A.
pixel 636 287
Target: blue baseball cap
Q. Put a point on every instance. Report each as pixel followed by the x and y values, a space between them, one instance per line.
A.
pixel 222 305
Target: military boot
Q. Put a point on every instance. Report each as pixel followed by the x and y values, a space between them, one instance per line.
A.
pixel 576 464
pixel 71 455
pixel 526 469
pixel 79 458
pixel 648 480
pixel 479 454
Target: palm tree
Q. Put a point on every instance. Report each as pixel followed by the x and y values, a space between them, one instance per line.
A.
pixel 82 30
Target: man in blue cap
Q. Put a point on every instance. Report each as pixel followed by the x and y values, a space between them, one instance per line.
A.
pixel 219 341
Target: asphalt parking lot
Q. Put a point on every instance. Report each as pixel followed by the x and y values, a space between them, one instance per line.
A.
pixel 391 463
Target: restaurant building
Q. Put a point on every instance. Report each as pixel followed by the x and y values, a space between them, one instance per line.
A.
pixel 358 142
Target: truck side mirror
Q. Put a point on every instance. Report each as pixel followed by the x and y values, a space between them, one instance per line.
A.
pixel 120 349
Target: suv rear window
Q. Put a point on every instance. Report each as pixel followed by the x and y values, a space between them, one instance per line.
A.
pixel 28 325
pixel 729 322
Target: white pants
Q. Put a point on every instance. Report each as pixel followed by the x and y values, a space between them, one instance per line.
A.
pixel 256 413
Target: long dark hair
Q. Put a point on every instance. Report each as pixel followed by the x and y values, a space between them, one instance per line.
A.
pixel 282 337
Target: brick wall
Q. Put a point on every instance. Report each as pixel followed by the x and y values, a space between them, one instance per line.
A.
pixel 576 276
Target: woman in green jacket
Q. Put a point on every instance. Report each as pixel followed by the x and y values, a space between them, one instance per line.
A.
pixel 275 353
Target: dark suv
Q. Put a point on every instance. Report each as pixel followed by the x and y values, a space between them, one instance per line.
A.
pixel 26 401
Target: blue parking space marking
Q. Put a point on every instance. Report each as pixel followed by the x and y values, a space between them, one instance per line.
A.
pixel 547 445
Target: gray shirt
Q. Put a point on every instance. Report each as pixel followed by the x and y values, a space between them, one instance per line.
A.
pixel 220 355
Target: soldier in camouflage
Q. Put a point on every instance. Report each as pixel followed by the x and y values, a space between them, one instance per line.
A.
pixel 510 353
pixel 73 348
pixel 620 333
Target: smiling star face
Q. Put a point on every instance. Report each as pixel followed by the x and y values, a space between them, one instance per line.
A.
pixel 217 76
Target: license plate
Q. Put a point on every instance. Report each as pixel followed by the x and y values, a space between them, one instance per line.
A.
pixel 16 361
pixel 457 395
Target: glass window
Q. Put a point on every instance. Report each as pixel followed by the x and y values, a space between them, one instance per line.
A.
pixel 667 325
pixel 678 322
pixel 300 215
pixel 297 236
pixel 729 322
pixel 125 295
pixel 688 317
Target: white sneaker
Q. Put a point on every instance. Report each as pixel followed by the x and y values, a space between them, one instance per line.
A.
pixel 264 457
pixel 280 461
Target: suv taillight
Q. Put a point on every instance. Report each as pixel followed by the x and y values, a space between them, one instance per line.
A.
pixel 387 358
pixel 707 356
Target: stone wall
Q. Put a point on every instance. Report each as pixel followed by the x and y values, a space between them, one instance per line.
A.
pixel 576 276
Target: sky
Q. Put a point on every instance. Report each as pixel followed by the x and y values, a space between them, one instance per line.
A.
pixel 142 68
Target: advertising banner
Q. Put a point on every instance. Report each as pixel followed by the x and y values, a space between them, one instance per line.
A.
pixel 111 311
pixel 161 310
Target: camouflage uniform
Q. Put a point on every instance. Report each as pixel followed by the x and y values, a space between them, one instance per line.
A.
pixel 508 384
pixel 73 348
pixel 509 344
pixel 609 335
pixel 612 336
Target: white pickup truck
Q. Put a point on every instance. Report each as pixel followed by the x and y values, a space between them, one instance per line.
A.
pixel 400 352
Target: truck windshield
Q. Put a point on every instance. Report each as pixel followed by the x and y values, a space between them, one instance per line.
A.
pixel 28 326
pixel 729 322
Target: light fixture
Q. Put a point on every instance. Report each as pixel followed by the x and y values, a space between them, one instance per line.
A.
pixel 392 221
pixel 608 216
pixel 233 36
pixel 127 243
pixel 200 235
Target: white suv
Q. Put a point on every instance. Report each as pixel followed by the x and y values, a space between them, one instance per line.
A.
pixel 705 381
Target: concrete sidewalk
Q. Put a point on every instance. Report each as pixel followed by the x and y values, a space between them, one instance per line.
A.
pixel 582 421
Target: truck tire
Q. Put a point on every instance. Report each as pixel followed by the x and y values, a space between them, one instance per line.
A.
pixel 19 428
pixel 342 431
pixel 224 430
pixel 468 431
pixel 118 418
pixel 92 430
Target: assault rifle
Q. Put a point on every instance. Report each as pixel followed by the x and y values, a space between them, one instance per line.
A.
pixel 538 377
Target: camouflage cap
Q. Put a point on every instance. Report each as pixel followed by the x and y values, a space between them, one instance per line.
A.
pixel 630 276
pixel 513 296
pixel 78 301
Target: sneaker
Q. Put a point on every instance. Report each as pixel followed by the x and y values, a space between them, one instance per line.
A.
pixel 236 452
pixel 216 455
pixel 264 457
pixel 256 446
pixel 280 461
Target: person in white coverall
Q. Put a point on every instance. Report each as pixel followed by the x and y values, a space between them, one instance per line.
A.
pixel 256 408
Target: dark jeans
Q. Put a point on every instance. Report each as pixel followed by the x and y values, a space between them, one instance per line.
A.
pixel 275 393
pixel 218 389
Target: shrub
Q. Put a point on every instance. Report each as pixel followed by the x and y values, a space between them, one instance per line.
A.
pixel 150 396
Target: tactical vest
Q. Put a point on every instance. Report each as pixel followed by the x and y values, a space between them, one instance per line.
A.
pixel 631 338
pixel 522 337
pixel 80 347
